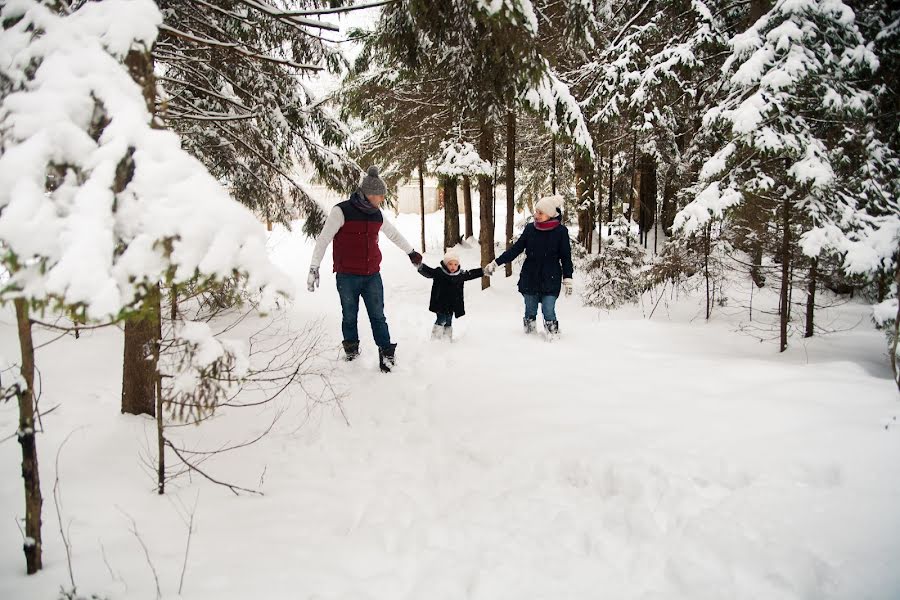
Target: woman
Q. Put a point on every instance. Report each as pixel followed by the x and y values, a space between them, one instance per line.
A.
pixel 548 263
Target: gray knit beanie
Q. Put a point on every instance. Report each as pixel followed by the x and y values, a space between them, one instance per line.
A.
pixel 372 184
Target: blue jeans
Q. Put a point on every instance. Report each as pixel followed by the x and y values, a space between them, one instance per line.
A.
pixel 548 306
pixel 350 288
pixel 444 319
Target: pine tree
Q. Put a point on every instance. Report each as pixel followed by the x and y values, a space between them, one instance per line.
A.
pixel 794 134
pixel 234 76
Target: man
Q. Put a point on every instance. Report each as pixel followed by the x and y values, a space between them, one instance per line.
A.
pixel 354 225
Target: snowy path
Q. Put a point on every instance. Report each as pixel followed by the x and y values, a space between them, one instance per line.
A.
pixel 632 459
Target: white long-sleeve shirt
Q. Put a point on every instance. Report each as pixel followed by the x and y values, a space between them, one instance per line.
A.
pixel 333 224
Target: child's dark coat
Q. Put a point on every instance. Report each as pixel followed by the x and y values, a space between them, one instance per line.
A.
pixel 447 288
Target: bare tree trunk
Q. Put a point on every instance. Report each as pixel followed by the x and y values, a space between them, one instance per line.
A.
pixel 755 270
pixel 581 194
pixel 451 212
pixel 142 337
pixel 631 190
pixel 894 366
pixel 785 270
pixel 553 165
pixel 599 176
pixel 706 244
pixel 26 435
pixel 510 181
pixel 467 203
pixel 811 298
pixel 142 332
pixel 485 191
pixel 421 169
pixel 610 207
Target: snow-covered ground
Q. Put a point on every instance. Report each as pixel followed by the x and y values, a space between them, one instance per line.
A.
pixel 634 458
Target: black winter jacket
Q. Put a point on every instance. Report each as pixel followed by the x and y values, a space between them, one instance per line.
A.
pixel 548 259
pixel 447 288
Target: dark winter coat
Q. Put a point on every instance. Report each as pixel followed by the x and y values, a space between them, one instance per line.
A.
pixel 548 259
pixel 447 288
pixel 355 245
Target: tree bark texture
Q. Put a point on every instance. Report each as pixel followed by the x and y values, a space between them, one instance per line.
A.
pixel 467 205
pixel 421 169
pixel 485 192
pixel 26 435
pixel 510 181
pixel 142 332
pixel 785 270
pixel 451 212
pixel 142 336
pixel 811 298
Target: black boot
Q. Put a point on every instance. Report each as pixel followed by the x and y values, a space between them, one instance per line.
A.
pixel 386 357
pixel 351 350
pixel 529 324
pixel 552 328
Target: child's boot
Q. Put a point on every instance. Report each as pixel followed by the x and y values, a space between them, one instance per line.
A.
pixel 448 333
pixel 437 332
pixel 529 324
pixel 386 360
pixel 351 350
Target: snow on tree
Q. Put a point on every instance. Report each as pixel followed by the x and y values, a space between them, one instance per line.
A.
pixel 236 82
pixel 459 158
pixel 73 120
pixel 98 205
pixel 794 132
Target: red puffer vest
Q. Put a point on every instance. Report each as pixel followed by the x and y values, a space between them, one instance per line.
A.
pixel 355 246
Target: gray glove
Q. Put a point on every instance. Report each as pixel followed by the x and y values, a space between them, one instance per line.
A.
pixel 490 268
pixel 312 281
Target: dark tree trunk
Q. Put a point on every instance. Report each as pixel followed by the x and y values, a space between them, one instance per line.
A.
pixel 142 332
pixel 631 191
pixel 421 169
pixel 142 336
pixel 811 297
pixel 510 181
pixel 894 366
pixel 648 194
pixel 582 169
pixel 611 176
pixel 785 270
pixel 451 212
pixel 667 213
pixel 599 178
pixel 467 204
pixel 485 191
pixel 706 244
pixel 755 270
pixel 28 441
pixel 553 165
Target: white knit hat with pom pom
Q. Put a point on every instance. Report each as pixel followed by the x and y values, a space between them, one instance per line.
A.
pixel 549 205
pixel 451 255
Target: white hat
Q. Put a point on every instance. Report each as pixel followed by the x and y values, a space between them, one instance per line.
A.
pixel 450 255
pixel 549 205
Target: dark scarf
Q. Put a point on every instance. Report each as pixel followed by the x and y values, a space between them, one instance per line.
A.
pixel 547 225
pixel 362 203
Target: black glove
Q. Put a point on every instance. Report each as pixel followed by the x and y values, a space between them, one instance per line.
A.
pixel 415 258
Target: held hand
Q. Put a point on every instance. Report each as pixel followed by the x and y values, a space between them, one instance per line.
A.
pixel 312 281
pixel 415 258
pixel 567 283
pixel 490 268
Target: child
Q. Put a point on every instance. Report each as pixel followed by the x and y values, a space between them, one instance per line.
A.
pixel 447 293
